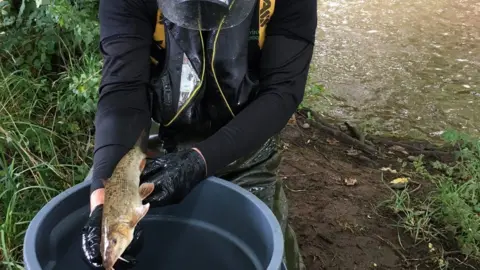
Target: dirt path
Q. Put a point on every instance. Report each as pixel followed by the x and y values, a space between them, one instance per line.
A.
pixel 338 225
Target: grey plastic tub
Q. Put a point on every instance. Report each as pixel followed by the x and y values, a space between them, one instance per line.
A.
pixel 218 226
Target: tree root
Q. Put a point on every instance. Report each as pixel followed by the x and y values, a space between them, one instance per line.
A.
pixel 416 151
pixel 321 125
pixel 370 145
pixel 355 132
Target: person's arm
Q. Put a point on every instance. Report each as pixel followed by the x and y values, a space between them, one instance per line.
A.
pixel 126 30
pixel 284 66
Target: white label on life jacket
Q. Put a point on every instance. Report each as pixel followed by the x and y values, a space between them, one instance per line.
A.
pixel 188 80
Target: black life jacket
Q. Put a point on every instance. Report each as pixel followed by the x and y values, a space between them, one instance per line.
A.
pixel 201 79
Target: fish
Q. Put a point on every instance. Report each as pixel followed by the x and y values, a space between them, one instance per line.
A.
pixel 123 207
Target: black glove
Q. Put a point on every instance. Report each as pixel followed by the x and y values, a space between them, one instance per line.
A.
pixel 91 234
pixel 174 176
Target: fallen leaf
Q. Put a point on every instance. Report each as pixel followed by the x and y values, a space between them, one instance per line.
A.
pixel 292 121
pixel 350 181
pixel 399 183
pixel 331 141
pixel 399 180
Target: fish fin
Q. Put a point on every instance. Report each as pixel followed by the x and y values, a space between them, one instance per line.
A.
pixel 140 140
pixel 143 163
pixel 146 189
pixel 139 213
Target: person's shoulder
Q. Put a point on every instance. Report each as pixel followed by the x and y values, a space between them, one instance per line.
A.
pixel 294 18
pixel 129 6
pixel 149 7
pixel 294 9
pixel 127 15
pixel 297 5
pixel 150 4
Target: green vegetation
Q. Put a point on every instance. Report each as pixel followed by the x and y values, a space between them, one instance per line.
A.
pixel 49 74
pixel 450 211
pixel 313 92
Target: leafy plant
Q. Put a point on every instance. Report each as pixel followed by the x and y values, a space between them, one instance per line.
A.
pixel 452 208
pixel 49 76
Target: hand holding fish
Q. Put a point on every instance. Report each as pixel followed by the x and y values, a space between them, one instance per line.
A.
pixel 174 176
pixel 91 234
pixel 112 235
pixel 111 227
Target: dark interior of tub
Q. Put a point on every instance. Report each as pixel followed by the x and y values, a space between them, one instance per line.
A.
pixel 222 230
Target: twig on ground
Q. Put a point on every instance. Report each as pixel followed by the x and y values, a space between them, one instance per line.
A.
pixel 439 155
pixel 333 131
pixel 417 188
pixel 298 174
pixel 324 238
pixel 415 151
pixel 318 119
pixel 295 166
pixel 397 250
pixel 465 264
pixel 445 253
pixel 322 154
pixel 355 132
pixel 368 160
pixel 327 99
pixel 344 137
pixel 295 190
pixel 388 142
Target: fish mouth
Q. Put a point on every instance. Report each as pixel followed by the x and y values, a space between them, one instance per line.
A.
pixel 109 262
pixel 108 265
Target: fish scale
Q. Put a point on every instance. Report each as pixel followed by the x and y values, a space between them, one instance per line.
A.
pixel 123 207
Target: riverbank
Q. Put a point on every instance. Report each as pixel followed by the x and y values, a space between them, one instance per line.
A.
pixel 347 215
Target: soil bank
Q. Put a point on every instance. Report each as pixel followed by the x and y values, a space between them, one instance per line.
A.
pixel 340 226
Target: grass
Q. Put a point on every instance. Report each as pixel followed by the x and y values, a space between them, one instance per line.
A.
pixel 314 90
pixel 49 76
pixel 42 152
pixel 449 213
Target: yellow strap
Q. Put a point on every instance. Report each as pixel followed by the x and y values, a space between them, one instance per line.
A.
pixel 267 7
pixel 159 35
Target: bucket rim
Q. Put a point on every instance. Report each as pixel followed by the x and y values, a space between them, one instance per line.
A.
pixel 31 261
pixel 277 234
